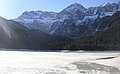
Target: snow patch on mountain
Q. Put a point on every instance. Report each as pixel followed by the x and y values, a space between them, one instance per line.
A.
pixel 37 19
pixel 77 13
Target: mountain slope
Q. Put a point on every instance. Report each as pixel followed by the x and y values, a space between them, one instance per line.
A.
pixel 110 37
pixel 11 33
pixel 14 35
pixel 106 39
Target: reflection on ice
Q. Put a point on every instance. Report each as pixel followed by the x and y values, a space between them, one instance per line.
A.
pixel 93 68
pixel 74 68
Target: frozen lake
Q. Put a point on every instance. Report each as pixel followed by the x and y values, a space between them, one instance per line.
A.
pixel 17 62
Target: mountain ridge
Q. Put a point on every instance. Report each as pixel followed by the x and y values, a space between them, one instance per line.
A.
pixel 75 27
pixel 76 12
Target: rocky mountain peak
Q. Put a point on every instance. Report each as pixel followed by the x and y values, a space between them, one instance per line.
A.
pixel 74 11
pixel 74 7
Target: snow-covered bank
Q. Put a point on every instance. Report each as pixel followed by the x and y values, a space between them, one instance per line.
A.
pixel 13 62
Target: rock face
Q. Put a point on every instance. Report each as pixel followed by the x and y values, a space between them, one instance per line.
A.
pixel 75 19
pixel 74 11
pixel 71 21
pixel 37 20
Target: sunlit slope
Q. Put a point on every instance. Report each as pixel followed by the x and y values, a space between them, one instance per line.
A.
pixel 11 33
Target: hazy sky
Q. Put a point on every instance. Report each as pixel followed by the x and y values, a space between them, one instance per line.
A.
pixel 13 8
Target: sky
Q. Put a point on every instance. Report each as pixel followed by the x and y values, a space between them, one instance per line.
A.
pixel 11 9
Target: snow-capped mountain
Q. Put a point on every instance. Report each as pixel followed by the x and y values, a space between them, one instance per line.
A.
pixel 75 11
pixel 37 19
pixel 79 21
pixel 71 21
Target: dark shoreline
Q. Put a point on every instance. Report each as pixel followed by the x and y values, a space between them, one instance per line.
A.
pixel 57 50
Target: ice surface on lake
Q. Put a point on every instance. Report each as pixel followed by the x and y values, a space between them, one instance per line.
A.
pixel 14 62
